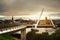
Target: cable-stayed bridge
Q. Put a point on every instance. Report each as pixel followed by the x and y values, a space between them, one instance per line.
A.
pixel 22 28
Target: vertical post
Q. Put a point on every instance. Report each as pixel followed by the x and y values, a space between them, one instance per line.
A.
pixel 23 34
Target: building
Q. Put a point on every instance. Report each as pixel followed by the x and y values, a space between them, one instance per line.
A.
pixel 45 22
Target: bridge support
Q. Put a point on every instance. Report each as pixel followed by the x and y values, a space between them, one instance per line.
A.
pixel 23 34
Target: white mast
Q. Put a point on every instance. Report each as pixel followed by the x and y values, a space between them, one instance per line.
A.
pixel 39 18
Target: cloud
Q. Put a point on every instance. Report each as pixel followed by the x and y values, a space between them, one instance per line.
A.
pixel 29 6
pixel 55 14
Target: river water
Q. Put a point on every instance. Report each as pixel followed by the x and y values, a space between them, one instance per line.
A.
pixel 41 30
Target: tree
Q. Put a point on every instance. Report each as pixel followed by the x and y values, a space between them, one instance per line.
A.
pixel 56 35
pixel 33 36
pixel 6 37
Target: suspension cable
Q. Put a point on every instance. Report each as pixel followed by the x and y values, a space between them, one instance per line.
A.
pixel 52 22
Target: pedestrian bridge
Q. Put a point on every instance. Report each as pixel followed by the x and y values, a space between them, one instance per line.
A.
pixel 21 28
pixel 18 28
pixel 8 30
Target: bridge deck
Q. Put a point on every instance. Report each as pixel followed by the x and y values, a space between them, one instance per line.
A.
pixel 7 30
pixel 11 29
pixel 41 26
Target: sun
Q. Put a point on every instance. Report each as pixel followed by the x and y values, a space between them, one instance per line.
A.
pixel 37 16
pixel 45 14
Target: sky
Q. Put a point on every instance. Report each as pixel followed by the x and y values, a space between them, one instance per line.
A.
pixel 29 7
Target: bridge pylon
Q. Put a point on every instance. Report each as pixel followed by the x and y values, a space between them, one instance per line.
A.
pixel 23 34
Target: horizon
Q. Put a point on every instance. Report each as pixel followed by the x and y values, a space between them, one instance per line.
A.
pixel 52 15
